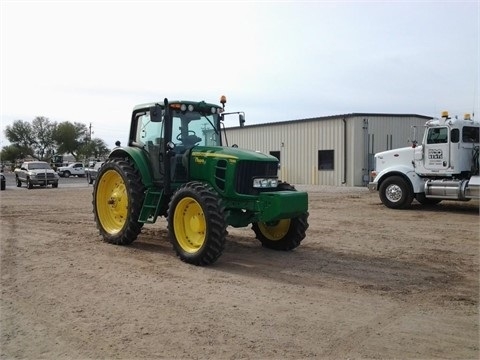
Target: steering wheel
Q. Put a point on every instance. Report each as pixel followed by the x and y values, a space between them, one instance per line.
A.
pixel 190 132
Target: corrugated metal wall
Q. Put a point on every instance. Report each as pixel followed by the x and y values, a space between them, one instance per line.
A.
pixel 299 142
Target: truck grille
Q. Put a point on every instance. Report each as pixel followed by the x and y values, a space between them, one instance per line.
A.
pixel 247 170
pixel 42 176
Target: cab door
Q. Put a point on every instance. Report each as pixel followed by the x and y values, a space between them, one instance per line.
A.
pixel 437 149
pixel 149 134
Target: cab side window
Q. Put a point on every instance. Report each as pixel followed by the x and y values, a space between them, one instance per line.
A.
pixel 437 135
pixel 455 135
pixel 147 131
pixel 470 134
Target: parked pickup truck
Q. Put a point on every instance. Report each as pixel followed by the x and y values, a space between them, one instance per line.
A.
pixel 92 171
pixel 36 173
pixel 72 169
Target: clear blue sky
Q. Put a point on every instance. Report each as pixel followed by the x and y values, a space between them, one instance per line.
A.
pixel 92 61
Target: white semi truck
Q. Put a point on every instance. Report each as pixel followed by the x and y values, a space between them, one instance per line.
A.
pixel 444 167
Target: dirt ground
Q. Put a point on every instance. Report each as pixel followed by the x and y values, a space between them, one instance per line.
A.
pixel 367 282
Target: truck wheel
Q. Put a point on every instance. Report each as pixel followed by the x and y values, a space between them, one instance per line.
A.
pixel 395 193
pixel 29 184
pixel 19 183
pixel 285 234
pixel 118 197
pixel 66 174
pixel 196 224
pixel 55 185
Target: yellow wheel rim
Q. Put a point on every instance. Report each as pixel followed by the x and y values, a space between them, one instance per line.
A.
pixel 189 225
pixel 112 202
pixel 276 231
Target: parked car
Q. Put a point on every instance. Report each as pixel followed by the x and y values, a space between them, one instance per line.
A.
pixel 72 169
pixel 91 172
pixel 36 173
pixel 3 181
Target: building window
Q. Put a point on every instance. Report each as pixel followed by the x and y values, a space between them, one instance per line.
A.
pixel 276 154
pixel 325 160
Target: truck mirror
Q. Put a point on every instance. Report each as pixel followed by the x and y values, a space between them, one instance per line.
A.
pixel 155 114
pixel 241 119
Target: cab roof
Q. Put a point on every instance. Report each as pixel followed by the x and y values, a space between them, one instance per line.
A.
pixel 170 102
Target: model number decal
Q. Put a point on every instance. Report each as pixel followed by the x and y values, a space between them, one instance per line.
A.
pixel 199 160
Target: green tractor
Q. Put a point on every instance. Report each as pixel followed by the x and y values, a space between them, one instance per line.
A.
pixel 176 166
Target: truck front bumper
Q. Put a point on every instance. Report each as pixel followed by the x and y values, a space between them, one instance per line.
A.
pixel 372 186
pixel 44 182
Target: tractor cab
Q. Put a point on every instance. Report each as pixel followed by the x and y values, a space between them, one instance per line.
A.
pixel 167 132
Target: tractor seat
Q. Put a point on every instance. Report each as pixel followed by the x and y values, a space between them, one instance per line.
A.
pixel 190 140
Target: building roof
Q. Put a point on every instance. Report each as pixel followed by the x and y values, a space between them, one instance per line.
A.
pixel 340 116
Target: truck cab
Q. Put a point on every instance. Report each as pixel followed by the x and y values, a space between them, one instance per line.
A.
pixel 447 147
pixel 444 167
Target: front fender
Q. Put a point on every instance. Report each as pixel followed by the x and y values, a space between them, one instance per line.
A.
pixel 139 158
pixel 407 172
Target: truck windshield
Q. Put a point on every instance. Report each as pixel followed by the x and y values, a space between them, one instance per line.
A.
pixel 194 128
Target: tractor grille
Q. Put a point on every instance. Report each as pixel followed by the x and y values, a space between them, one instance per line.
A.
pixel 247 170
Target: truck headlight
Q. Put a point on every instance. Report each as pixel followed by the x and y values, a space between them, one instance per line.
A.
pixel 262 183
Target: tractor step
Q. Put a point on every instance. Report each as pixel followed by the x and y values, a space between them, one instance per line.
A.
pixel 151 206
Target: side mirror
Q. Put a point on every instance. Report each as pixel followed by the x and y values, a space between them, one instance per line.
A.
pixel 156 114
pixel 241 119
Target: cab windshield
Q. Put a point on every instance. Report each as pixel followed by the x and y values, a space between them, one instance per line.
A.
pixel 193 128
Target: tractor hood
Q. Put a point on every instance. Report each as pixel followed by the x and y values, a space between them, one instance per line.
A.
pixel 231 170
pixel 230 153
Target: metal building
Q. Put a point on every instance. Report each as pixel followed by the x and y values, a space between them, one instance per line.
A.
pixel 333 150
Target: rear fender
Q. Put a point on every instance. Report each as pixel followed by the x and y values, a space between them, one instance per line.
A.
pixel 140 161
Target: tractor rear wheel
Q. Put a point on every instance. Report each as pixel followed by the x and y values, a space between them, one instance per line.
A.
pixel 118 196
pixel 284 234
pixel 197 224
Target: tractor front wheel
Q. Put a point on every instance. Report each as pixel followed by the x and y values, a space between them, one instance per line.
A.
pixel 118 196
pixel 197 224
pixel 284 234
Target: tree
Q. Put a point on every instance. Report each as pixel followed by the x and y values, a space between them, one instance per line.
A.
pixel 11 153
pixel 42 138
pixel 20 134
pixel 70 138
pixel 44 146
pixel 35 139
pixel 96 148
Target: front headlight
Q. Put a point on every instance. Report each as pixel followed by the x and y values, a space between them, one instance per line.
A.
pixel 265 183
